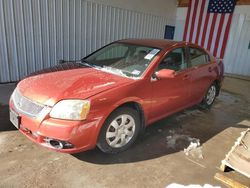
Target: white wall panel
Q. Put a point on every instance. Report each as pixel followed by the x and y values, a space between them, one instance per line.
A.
pixel 163 8
pixel 237 53
pixel 34 34
pixel 181 14
pixel 179 29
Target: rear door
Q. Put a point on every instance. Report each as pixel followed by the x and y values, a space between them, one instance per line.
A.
pixel 202 72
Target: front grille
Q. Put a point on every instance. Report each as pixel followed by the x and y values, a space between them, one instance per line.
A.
pixel 25 105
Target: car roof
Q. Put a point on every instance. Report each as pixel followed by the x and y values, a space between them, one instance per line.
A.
pixel 157 43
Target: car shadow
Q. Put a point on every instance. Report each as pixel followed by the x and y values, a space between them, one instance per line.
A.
pixel 151 144
pixel 5 124
pixel 192 123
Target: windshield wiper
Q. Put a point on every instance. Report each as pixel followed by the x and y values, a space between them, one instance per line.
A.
pixel 85 62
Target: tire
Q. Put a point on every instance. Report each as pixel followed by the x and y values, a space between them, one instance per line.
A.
pixel 209 97
pixel 119 131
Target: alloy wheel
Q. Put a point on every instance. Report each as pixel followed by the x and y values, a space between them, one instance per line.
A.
pixel 120 131
pixel 211 95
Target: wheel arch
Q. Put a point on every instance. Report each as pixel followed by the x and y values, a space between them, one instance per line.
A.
pixel 128 104
pixel 218 86
pixel 134 104
pixel 138 107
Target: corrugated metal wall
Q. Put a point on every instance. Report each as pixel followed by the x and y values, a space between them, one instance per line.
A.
pixel 237 54
pixel 34 34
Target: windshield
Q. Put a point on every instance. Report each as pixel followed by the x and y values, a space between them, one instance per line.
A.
pixel 123 59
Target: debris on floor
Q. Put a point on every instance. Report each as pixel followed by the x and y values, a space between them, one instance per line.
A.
pixel 238 157
pixel 194 149
pixel 191 145
pixel 175 185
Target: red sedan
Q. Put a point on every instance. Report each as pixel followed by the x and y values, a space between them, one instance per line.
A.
pixel 108 97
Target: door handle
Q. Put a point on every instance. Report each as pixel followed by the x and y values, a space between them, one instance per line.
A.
pixel 186 77
pixel 209 69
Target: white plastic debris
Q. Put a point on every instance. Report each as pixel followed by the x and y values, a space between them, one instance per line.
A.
pixel 193 145
pixel 194 148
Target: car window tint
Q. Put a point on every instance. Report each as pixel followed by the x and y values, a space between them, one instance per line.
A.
pixel 197 57
pixel 113 53
pixel 174 60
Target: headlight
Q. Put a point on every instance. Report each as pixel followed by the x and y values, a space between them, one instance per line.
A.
pixel 71 109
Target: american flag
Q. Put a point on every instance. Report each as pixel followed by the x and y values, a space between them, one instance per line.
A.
pixel 208 24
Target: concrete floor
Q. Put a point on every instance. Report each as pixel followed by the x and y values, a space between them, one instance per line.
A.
pixel 151 162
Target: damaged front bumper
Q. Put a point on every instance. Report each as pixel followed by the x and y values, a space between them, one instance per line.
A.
pixel 59 135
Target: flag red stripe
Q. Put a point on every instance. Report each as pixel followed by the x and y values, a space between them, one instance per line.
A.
pixel 200 21
pixel 226 36
pixel 209 28
pixel 187 21
pixel 216 45
pixel 193 20
pixel 205 30
pixel 210 38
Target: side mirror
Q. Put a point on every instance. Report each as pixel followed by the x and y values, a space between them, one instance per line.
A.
pixel 165 73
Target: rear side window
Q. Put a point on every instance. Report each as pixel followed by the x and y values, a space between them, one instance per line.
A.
pixel 198 57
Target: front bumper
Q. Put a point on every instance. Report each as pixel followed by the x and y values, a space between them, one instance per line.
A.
pixel 82 135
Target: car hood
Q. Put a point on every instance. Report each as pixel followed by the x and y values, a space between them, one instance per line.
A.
pixel 73 82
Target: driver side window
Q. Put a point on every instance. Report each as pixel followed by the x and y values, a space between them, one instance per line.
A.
pixel 174 60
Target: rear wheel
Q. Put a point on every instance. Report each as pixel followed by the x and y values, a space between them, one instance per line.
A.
pixel 119 131
pixel 209 98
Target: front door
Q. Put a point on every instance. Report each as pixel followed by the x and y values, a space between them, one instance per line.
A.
pixel 171 94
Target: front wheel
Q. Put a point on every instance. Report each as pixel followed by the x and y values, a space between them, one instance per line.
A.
pixel 119 131
pixel 209 98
